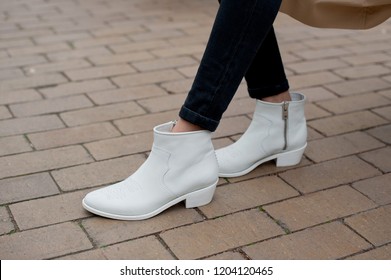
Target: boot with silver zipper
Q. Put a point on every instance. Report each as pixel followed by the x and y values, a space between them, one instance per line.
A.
pixel 278 131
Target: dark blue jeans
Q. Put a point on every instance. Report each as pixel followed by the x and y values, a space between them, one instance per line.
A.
pixel 242 44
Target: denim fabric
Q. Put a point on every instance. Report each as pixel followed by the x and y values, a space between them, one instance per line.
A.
pixel 266 76
pixel 242 44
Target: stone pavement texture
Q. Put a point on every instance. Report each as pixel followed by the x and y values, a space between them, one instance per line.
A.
pixel 83 82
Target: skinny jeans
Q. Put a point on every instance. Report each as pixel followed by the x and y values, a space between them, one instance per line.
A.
pixel 242 44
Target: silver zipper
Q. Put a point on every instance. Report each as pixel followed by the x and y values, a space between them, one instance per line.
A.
pixel 285 116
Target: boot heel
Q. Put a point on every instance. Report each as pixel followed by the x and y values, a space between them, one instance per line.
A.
pixel 200 197
pixel 290 158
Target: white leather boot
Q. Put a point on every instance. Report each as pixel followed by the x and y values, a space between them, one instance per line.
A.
pixel 180 167
pixel 278 131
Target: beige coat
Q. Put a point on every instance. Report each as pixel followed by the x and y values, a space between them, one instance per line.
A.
pixel 347 14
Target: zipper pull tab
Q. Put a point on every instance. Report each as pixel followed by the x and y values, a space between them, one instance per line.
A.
pixel 285 107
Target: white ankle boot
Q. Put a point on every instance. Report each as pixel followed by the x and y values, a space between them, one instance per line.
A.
pixel 277 131
pixel 180 167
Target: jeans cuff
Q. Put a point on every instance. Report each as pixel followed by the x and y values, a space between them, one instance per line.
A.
pixel 197 119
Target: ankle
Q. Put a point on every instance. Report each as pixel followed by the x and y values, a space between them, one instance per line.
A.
pixel 278 98
pixel 185 126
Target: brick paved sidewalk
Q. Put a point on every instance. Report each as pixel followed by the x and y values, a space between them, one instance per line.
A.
pixel 83 82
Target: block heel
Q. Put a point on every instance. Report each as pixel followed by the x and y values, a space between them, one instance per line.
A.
pixel 290 158
pixel 200 197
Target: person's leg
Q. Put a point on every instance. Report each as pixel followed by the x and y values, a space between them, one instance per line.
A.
pixel 182 166
pixel 278 127
pixel 238 32
pixel 266 79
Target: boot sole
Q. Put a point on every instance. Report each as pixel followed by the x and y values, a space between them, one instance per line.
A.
pixel 194 199
pixel 288 158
